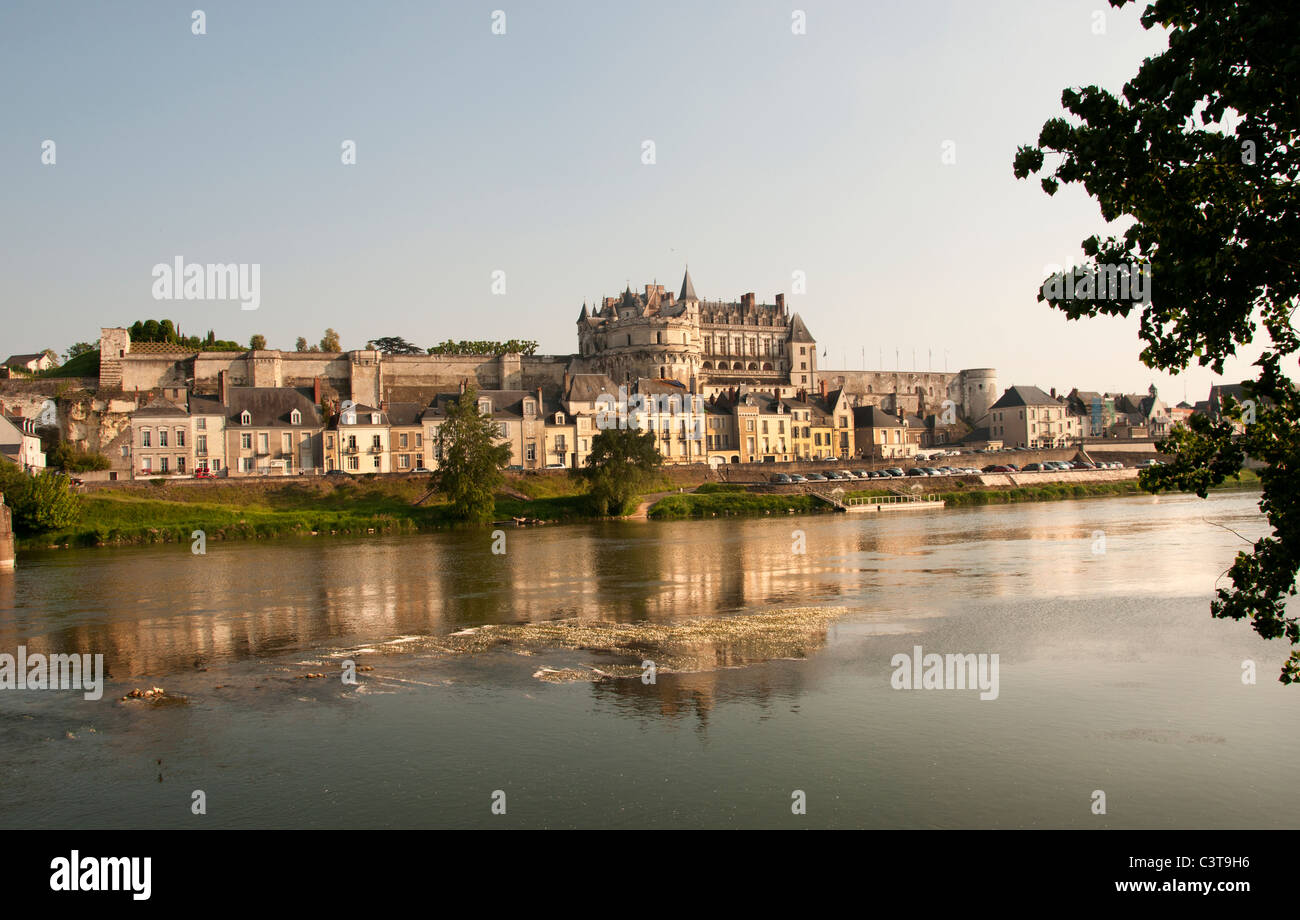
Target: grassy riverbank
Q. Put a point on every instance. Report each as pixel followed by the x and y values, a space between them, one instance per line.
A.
pixel 143 512
pixel 722 501
pixel 140 513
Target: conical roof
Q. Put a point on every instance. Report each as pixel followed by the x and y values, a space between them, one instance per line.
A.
pixel 688 289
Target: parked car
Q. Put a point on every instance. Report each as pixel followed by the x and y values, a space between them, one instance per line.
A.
pixel 795 477
pixel 781 478
pixel 815 477
pixel 1033 468
pixel 1145 464
pixel 865 474
pixel 203 473
pixel 917 471
pixel 996 468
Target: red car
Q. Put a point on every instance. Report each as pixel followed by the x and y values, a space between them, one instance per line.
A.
pixel 203 473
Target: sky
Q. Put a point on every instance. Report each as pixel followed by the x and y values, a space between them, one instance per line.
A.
pixel 524 153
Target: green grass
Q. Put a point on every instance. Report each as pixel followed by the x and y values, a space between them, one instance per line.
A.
pixel 724 503
pixel 85 364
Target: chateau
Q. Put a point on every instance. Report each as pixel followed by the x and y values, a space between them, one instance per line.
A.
pixel 736 381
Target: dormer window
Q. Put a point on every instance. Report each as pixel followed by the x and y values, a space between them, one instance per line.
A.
pixel 485 407
pixel 245 418
pixel 374 418
pixel 295 417
pixel 559 418
pixel 530 407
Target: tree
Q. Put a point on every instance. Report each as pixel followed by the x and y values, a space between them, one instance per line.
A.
pixel 330 342
pixel 1200 156
pixel 620 464
pixel 79 348
pixel 64 456
pixel 470 470
pixel 301 344
pixel 257 343
pixel 39 503
pixel 395 345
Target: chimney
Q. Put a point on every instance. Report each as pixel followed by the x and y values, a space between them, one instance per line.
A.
pixel 540 410
pixel 564 387
pixel 221 387
pixel 780 304
pixel 315 391
pixel 747 301
pixel 821 387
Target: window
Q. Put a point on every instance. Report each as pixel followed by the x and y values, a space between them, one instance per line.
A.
pixel 286 443
pixel 419 439
pixel 203 444
pixel 180 437
pixel 295 417
pixel 180 464
pixel 403 461
pixel 216 465
pixel 245 418
pixel 374 418
pixel 146 464
pixel 485 407
pixel 376 462
pixel 246 441
pixel 374 442
pixel 263 443
pixel 201 424
pixel 162 464
pixel 144 438
pixel 401 439
pixel 353 463
pixel 419 461
pixel 530 453
pixel 162 437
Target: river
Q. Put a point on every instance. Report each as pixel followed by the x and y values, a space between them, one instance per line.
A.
pixel 1112 676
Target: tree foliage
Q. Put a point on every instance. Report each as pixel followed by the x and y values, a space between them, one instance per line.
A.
pixel 330 341
pixel 152 330
pixel 1200 157
pixel 79 348
pixel 257 342
pixel 621 463
pixel 470 470
pixel 39 503
pixel 70 459
pixel 395 345
pixel 514 346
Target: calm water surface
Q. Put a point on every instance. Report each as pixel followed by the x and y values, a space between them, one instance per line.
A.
pixel 1113 676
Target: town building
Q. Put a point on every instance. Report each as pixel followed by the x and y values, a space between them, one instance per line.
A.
pixel 20 443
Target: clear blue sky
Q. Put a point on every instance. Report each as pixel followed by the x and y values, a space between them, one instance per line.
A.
pixel 522 152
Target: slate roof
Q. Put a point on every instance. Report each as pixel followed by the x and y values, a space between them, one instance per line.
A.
pixel 270 407
pixel 874 417
pixel 688 288
pixel 799 331
pixel 589 387
pixel 1016 396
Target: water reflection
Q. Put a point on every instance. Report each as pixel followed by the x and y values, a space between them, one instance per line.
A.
pixel 157 610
